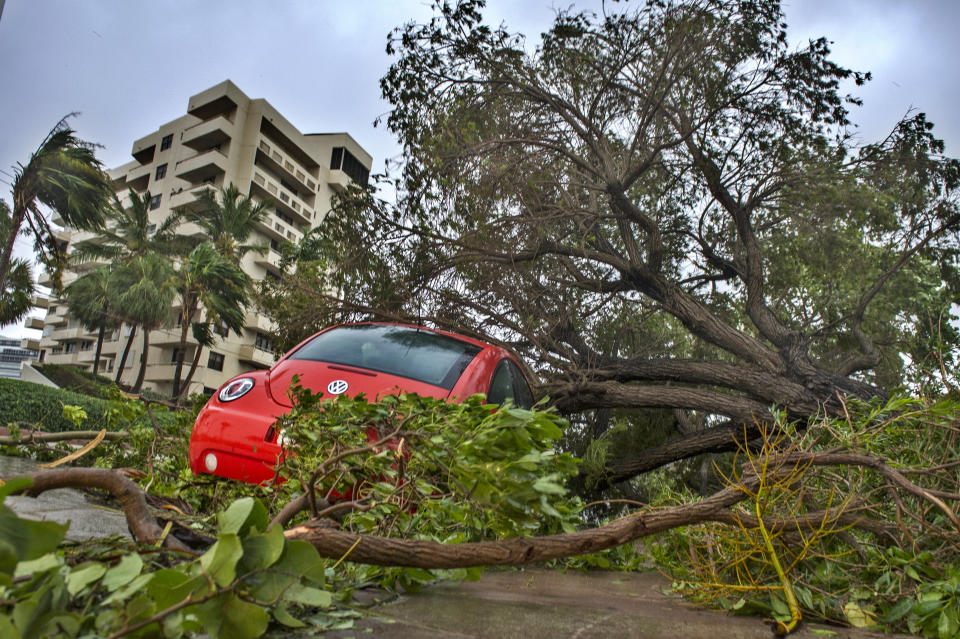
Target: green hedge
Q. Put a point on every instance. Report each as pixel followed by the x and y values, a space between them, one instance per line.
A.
pixel 26 403
pixel 76 379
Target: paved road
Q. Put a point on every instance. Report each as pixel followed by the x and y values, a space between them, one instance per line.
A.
pixel 87 520
pixel 543 604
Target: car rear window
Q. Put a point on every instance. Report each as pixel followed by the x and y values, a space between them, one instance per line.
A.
pixel 397 350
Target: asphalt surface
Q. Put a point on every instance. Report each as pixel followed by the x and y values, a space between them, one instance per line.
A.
pixel 536 603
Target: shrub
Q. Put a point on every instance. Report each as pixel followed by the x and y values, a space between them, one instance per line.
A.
pixel 29 405
pixel 76 379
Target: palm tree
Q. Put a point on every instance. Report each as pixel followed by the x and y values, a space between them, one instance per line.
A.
pixel 209 281
pixel 129 235
pixel 90 299
pixel 229 218
pixel 64 175
pixel 17 291
pixel 144 288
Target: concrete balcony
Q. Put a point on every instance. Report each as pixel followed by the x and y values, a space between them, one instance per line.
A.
pixel 284 199
pixel 201 166
pixel 286 166
pixel 40 302
pixel 163 372
pixel 256 322
pixel 186 198
pixel 250 354
pixel 208 134
pixel 278 230
pixel 270 261
pixel 139 174
pixel 67 334
pixel 36 323
pixel 169 337
pixel 338 180
pixel 32 344
pixel 44 279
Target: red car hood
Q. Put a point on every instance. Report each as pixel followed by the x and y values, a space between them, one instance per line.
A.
pixel 318 376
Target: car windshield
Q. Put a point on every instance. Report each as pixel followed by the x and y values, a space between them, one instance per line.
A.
pixel 398 350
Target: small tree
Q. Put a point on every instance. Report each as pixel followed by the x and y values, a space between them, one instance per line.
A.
pixel 207 283
pixel 90 299
pixel 144 288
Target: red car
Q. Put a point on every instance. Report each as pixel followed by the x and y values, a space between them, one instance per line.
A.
pixel 233 436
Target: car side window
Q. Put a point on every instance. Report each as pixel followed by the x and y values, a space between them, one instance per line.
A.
pixel 523 398
pixel 508 382
pixel 501 385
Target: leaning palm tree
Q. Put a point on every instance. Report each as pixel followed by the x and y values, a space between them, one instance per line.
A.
pixel 210 283
pixel 17 290
pixel 228 218
pixel 91 300
pixel 64 175
pixel 144 290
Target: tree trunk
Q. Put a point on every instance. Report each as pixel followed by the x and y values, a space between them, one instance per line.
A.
pixel 126 352
pixel 193 369
pixel 143 361
pixel 186 314
pixel 96 357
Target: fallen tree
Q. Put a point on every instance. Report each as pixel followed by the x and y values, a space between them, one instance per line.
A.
pixel 662 206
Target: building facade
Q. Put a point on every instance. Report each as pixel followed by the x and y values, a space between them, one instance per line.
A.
pixel 224 137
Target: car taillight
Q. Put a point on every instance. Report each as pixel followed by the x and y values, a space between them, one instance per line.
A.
pixel 235 389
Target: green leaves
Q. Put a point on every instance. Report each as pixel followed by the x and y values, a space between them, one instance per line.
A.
pixel 230 617
pixel 21 539
pixel 220 562
pixel 451 472
pixel 243 514
pixel 230 591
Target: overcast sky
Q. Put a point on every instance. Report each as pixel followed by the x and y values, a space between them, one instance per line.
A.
pixel 129 66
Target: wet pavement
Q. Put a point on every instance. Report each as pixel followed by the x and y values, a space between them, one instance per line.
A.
pixel 87 520
pixel 537 603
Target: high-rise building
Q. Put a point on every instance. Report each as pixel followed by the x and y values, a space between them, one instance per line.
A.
pixel 225 137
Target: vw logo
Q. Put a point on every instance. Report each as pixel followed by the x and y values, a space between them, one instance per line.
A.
pixel 336 387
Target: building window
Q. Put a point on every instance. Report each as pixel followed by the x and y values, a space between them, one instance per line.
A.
pixel 222 330
pixel 343 160
pixel 155 202
pixel 161 172
pixel 173 357
pixel 263 343
pixel 166 142
pixel 71 347
pixel 215 361
pixel 209 391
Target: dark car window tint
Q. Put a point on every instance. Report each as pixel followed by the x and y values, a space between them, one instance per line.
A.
pixel 397 350
pixel 501 385
pixel 522 395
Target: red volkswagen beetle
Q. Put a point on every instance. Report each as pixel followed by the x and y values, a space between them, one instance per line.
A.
pixel 233 435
